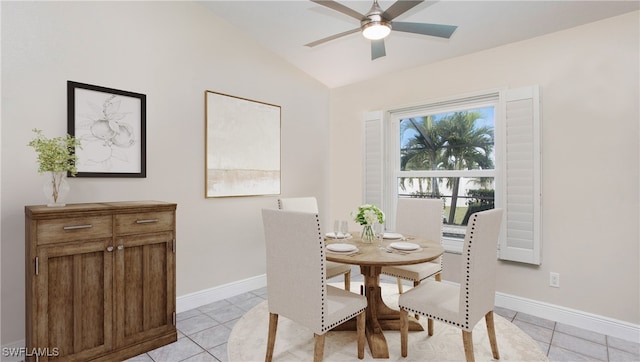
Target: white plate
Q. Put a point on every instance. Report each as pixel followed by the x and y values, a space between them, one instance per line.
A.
pixel 404 246
pixel 332 235
pixel 392 236
pixel 341 248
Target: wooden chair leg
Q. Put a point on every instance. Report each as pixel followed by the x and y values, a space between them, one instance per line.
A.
pixel 271 339
pixel 318 348
pixel 467 340
pixel 399 285
pixel 491 331
pixel 438 277
pixel 360 323
pixel 404 331
pixel 347 281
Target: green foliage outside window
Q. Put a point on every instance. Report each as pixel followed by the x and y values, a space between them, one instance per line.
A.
pixel 448 141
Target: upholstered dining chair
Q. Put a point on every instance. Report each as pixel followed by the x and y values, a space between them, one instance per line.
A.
pixel 423 218
pixel 310 204
pixel 463 305
pixel 295 243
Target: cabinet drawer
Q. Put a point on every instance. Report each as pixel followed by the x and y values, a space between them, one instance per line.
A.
pixel 144 222
pixel 73 229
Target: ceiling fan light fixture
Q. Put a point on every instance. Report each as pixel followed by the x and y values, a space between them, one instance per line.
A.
pixel 376 30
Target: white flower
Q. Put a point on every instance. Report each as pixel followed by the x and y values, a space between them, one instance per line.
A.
pixel 368 214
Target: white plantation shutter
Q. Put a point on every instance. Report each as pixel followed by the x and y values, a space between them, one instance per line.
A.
pixel 373 173
pixel 518 163
pixel 520 238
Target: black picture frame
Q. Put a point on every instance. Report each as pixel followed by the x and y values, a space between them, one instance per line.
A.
pixel 111 126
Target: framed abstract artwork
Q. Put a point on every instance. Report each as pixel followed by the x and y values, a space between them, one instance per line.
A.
pixel 242 146
pixel 111 126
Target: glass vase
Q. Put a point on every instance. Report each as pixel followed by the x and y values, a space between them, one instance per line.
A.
pixel 56 188
pixel 367 236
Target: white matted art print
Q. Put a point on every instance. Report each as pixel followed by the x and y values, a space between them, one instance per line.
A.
pixel 111 126
pixel 242 141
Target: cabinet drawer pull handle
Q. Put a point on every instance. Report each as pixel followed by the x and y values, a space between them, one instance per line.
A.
pixel 120 247
pixel 109 248
pixel 76 227
pixel 146 221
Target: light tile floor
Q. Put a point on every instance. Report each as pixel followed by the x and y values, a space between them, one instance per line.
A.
pixel 203 334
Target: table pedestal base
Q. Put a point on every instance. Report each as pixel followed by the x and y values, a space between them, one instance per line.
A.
pixel 379 316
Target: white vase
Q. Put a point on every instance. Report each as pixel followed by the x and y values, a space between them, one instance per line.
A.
pixel 55 188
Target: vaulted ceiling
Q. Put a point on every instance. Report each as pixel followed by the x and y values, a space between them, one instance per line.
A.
pixel 286 26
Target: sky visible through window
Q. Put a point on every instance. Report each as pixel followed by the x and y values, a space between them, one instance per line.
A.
pixel 487 119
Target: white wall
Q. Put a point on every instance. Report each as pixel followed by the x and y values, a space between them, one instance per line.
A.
pixel 172 52
pixel 589 83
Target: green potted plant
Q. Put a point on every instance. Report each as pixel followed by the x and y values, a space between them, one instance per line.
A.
pixel 57 157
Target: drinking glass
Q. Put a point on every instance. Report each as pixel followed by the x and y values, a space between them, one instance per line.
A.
pixel 344 228
pixel 336 228
pixel 379 230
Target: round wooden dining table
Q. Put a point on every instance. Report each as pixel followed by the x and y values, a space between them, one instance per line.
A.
pixel 371 257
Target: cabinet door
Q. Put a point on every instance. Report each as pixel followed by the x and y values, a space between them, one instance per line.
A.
pixel 74 289
pixel 145 287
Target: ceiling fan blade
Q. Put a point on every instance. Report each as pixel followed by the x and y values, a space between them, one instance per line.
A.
pixel 442 31
pixel 377 49
pixel 332 37
pixel 340 8
pixel 398 8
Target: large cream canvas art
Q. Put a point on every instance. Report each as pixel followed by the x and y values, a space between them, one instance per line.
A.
pixel 242 146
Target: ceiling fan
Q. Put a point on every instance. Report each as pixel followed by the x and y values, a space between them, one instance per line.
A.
pixel 377 24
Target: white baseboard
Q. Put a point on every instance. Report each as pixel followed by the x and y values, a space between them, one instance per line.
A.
pixel 206 296
pixel 592 322
pixel 608 326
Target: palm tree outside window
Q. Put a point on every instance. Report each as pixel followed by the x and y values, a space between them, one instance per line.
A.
pixel 450 155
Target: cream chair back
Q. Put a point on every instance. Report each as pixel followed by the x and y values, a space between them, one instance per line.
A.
pixel 420 217
pixel 477 290
pixel 309 204
pixel 296 271
pixel 304 204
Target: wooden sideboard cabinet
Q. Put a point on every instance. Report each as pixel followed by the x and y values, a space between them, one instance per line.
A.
pixel 100 280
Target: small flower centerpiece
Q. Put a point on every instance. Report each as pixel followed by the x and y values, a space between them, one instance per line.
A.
pixel 367 215
pixel 57 157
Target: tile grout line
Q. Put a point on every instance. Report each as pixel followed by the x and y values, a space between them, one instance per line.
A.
pixel 196 343
pixel 553 333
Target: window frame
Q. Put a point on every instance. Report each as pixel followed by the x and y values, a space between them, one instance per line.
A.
pixel 519 163
pixel 391 172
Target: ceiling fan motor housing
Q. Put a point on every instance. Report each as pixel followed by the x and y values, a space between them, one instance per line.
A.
pixel 374 18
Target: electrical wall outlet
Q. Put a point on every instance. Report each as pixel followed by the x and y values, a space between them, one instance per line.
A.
pixel 554 279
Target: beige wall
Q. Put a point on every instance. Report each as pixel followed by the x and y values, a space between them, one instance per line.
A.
pixel 589 86
pixel 172 52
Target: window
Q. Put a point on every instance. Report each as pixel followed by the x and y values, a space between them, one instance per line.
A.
pixel 448 155
pixel 476 152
